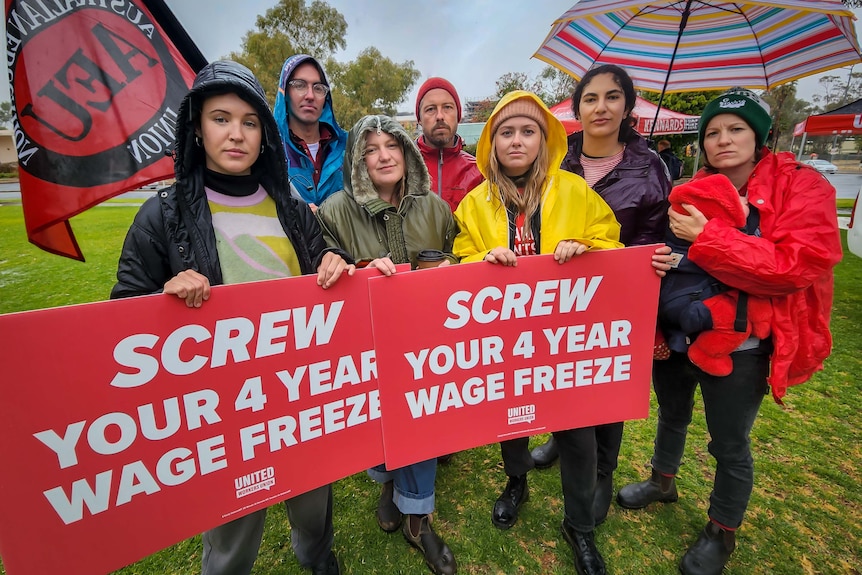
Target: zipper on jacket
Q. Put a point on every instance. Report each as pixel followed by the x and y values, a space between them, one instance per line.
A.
pixel 440 174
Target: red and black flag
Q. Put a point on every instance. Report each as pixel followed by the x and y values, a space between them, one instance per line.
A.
pixel 95 89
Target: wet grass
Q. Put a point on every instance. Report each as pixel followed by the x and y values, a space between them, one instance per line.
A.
pixel 805 515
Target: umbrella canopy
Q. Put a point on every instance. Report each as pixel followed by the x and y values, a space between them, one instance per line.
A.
pixel 684 45
pixel 669 122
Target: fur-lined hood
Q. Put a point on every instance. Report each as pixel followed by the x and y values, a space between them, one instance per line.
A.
pixel 357 182
pixel 221 77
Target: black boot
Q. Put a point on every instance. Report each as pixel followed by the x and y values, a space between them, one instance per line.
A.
pixel 506 507
pixel 657 488
pixel 328 566
pixel 710 552
pixel 602 498
pixel 417 530
pixel 388 514
pixel 588 560
pixel 546 454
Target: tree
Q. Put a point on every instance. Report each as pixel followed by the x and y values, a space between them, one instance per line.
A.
pixel 691 103
pixel 371 84
pixel 787 111
pixel 6 113
pixel 513 81
pixel 853 3
pixel 290 27
pixel 554 85
pixel 837 91
pixel 482 110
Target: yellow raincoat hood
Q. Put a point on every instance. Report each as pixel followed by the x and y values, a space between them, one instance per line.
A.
pixel 556 136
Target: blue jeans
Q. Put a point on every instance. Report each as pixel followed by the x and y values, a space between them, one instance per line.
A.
pixel 731 404
pixel 414 485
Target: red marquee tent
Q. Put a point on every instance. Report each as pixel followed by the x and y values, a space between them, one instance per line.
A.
pixel 669 122
pixel 846 120
pixel 843 121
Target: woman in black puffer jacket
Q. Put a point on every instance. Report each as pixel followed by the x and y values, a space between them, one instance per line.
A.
pixel 230 218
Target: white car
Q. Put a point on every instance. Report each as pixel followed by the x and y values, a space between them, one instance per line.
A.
pixel 854 230
pixel 822 166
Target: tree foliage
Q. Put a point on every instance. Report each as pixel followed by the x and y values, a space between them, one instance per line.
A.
pixel 554 85
pixel 6 113
pixel 836 91
pixel 371 84
pixel 290 27
pixel 787 111
pixel 513 81
pixel 691 103
pixel 482 109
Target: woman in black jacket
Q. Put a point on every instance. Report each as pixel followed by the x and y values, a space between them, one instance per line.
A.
pixel 619 165
pixel 229 218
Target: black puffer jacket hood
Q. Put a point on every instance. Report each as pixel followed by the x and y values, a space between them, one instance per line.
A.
pixel 222 77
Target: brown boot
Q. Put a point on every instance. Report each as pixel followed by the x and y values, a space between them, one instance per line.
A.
pixel 657 488
pixel 417 530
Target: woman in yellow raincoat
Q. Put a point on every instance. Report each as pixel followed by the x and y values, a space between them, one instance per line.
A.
pixel 527 206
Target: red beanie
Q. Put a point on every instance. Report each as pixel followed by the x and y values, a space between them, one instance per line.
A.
pixel 432 83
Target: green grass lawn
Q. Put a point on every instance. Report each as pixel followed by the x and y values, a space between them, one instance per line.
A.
pixel 805 515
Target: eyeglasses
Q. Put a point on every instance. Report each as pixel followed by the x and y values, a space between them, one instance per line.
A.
pixel 301 87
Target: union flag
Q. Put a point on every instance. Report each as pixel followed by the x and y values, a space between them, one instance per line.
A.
pixel 95 88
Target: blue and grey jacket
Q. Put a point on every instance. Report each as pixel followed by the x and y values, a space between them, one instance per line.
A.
pixel 300 169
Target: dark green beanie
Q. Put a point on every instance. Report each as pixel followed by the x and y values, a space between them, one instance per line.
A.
pixel 743 103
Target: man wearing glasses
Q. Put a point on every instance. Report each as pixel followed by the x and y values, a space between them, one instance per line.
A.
pixel 313 140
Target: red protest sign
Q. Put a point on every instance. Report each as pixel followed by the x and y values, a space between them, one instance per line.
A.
pixel 144 422
pixel 480 353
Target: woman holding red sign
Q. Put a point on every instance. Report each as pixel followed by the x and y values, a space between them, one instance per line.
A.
pixel 528 206
pixel 618 164
pixel 230 218
pixel 386 215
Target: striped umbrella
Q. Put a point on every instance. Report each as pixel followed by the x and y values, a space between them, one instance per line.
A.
pixel 684 45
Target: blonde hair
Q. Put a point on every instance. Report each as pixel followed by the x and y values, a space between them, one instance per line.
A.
pixel 533 183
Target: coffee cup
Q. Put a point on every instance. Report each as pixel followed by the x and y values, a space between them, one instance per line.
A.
pixel 429 259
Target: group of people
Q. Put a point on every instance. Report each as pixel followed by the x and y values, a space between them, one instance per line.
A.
pixel 263 193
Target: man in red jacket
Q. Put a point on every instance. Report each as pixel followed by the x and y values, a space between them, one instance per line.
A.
pixel 453 171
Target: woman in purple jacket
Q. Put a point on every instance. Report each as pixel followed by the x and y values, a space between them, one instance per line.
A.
pixel 618 164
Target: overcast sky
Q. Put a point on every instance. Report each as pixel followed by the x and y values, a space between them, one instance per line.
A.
pixel 470 42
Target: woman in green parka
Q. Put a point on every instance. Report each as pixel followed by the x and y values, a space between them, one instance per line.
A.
pixel 385 216
pixel 384 195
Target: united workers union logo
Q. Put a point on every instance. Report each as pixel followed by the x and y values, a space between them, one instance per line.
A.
pixel 522 414
pixel 254 482
pixel 95 88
